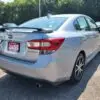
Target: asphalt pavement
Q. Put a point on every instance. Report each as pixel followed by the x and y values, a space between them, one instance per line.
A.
pixel 12 88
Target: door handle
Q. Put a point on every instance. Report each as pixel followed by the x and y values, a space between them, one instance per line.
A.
pixel 94 36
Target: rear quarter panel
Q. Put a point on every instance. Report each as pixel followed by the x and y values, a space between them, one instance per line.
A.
pixel 66 55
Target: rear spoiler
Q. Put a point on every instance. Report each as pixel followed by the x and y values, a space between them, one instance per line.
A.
pixel 44 30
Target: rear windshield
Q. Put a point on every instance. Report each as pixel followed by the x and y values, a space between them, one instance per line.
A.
pixel 44 22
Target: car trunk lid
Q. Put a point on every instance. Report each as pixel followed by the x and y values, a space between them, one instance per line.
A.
pixel 15 43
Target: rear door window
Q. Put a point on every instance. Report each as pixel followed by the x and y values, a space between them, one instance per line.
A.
pixel 76 25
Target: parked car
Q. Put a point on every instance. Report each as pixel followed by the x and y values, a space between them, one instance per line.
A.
pixel 55 48
pixel 9 25
pixel 98 24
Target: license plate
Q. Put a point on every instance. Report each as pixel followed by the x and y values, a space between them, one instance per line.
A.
pixel 14 46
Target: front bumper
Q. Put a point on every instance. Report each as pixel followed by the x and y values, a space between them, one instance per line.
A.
pixel 45 70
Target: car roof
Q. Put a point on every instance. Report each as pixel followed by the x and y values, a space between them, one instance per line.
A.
pixel 67 15
pixel 61 15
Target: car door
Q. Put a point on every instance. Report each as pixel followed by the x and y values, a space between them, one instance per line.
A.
pixel 95 32
pixel 88 43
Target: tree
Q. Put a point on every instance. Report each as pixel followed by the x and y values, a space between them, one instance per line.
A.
pixel 92 8
pixel 22 10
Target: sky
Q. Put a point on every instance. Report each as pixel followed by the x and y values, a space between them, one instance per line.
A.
pixel 6 0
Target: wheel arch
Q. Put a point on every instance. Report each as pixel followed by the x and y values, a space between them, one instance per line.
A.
pixel 83 52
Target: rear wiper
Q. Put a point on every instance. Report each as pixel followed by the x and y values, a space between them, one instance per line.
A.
pixel 34 29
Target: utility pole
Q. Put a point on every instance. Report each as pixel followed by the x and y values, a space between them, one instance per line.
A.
pixel 39 8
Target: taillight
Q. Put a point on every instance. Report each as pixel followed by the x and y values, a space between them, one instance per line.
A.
pixel 47 45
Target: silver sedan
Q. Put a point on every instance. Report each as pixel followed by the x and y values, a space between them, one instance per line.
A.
pixel 54 48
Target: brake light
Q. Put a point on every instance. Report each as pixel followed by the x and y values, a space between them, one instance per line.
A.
pixel 50 44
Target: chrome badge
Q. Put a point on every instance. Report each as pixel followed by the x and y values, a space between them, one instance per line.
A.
pixel 10 36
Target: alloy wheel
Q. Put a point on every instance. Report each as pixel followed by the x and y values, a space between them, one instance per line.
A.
pixel 79 67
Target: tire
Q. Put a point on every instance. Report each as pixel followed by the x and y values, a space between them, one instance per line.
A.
pixel 78 70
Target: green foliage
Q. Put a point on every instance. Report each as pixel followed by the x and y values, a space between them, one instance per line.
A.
pixel 22 10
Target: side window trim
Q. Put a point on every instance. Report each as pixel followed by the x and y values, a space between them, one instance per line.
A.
pixel 86 17
pixel 87 22
pixel 77 23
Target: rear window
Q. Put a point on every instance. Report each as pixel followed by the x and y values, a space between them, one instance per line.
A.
pixel 44 22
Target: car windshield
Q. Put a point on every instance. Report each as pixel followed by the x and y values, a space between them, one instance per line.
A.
pixel 52 23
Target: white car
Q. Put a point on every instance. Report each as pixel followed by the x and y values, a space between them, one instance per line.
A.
pixel 55 48
pixel 98 24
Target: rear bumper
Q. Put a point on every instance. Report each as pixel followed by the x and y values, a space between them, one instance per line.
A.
pixel 45 68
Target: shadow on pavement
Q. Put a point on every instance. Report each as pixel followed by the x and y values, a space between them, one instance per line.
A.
pixel 12 88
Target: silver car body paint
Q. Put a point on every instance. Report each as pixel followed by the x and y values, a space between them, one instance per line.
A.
pixel 55 67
